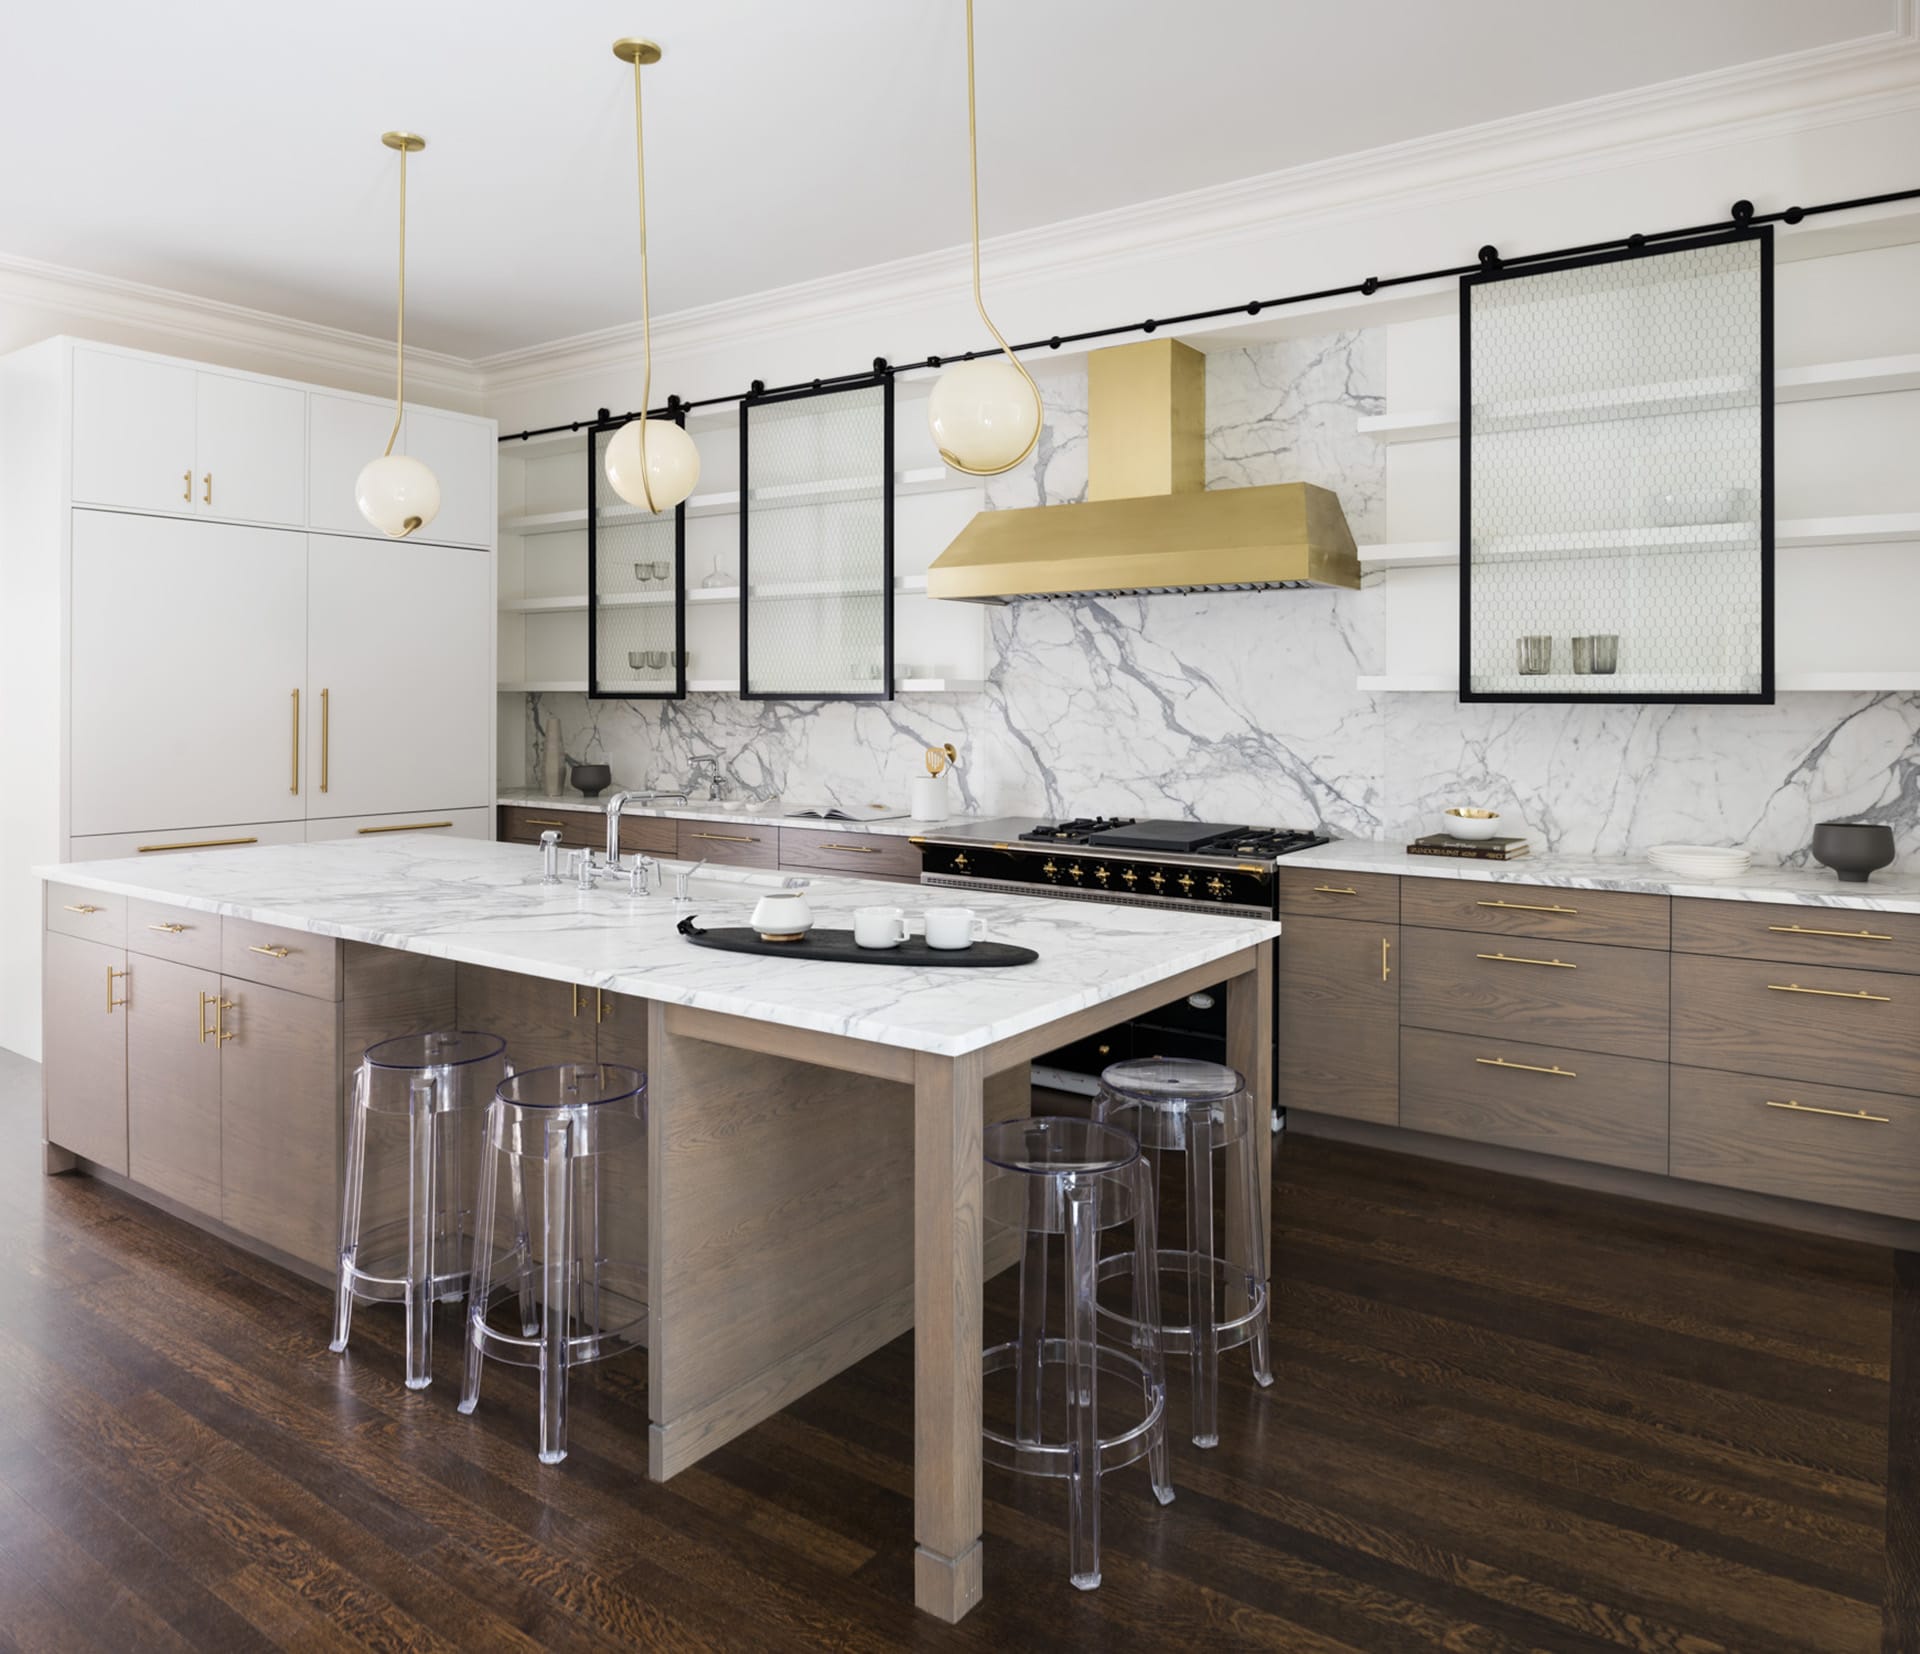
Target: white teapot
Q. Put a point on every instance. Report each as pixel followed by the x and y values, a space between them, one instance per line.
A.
pixel 782 916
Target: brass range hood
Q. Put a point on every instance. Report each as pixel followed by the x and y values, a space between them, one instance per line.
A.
pixel 1150 524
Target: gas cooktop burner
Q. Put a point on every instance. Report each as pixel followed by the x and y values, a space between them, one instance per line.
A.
pixel 1173 837
pixel 1078 831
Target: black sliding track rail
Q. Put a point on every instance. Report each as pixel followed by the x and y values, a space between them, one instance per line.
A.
pixel 1741 216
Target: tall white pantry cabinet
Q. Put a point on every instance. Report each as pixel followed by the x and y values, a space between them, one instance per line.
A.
pixel 201 639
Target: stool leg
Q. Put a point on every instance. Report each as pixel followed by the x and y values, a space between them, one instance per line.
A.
pixel 350 1210
pixel 448 1253
pixel 421 1219
pixel 522 1246
pixel 480 1276
pixel 557 1258
pixel 588 1220
pixel 1083 1424
pixel 1146 1311
pixel 1259 1290
pixel 1033 1316
pixel 1206 1337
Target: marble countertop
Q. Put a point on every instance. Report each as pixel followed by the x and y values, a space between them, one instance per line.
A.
pixel 484 904
pixel 1887 892
pixel 769 813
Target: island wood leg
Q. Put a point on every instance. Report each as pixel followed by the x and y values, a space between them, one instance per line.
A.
pixel 1250 1049
pixel 947 1106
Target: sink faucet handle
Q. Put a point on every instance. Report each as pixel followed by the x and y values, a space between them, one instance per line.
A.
pixel 640 873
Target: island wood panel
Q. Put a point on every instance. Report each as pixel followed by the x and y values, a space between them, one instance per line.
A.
pixel 620 1034
pixel 542 1022
pixel 1813 1023
pixel 1250 998
pixel 1611 1110
pixel 1729 1129
pixel 1848 937
pixel 173 1083
pixel 729 843
pixel 84 1072
pixel 1339 1018
pixel 1577 994
pixel 1624 918
pixel 181 934
pixel 1372 898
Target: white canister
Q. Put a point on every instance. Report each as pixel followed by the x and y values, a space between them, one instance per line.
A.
pixel 782 916
pixel 928 798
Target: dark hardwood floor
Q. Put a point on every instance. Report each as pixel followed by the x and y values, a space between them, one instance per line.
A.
pixel 1506 1416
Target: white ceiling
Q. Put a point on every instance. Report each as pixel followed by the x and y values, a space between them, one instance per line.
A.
pixel 229 148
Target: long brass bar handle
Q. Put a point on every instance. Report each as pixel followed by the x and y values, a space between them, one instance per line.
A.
pixel 576 999
pixel 1848 935
pixel 536 821
pixel 81 907
pixel 273 950
pixel 326 733
pixel 1530 907
pixel 205 1031
pixel 171 930
pixel 729 838
pixel 111 1001
pixel 186 483
pixel 1516 959
pixel 852 849
pixel 1335 890
pixel 405 827
pixel 220 1009
pixel 294 785
pixel 1385 970
pixel 599 1006
pixel 209 494
pixel 1793 1107
pixel 194 844
pixel 1829 993
pixel 1526 1067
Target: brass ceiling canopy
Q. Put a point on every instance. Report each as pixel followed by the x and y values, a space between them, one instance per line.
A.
pixel 1149 523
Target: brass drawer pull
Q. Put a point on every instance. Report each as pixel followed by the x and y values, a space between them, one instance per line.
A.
pixel 196 844
pixel 208 496
pixel 1385 969
pixel 729 838
pixel 1848 935
pixel 1833 1113
pixel 111 1001
pixel 1829 993
pixel 1335 890
pixel 205 1031
pixel 82 907
pixel 294 785
pixel 599 1007
pixel 1530 907
pixel 405 827
pixel 220 1009
pixel 171 930
pixel 537 821
pixel 326 733
pixel 186 477
pixel 1516 959
pixel 1526 1067
pixel 272 949
pixel 853 849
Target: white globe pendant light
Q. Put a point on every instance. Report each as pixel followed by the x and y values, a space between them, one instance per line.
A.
pixel 984 414
pixel 650 463
pixel 398 494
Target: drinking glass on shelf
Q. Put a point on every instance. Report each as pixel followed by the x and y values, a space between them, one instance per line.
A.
pixel 635 660
pixel 662 568
pixel 657 659
pixel 640 572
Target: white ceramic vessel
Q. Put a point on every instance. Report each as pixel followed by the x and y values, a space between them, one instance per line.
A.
pixel 1462 821
pixel 954 927
pixel 879 927
pixel 782 916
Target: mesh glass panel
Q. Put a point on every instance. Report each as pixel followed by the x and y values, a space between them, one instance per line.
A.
pixel 636 576
pixel 1614 446
pixel 818 608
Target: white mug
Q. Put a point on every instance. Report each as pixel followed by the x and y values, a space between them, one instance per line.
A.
pixel 954 927
pixel 879 927
pixel 782 916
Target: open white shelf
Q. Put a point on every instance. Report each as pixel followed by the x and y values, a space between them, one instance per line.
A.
pixel 1883 528
pixel 731 686
pixel 1567 683
pixel 906 585
pixel 931 479
pixel 1867 376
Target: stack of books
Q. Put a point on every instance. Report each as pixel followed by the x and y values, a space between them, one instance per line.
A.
pixel 1485 849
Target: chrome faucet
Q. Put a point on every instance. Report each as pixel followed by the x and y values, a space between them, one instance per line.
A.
pixel 706 767
pixel 635 795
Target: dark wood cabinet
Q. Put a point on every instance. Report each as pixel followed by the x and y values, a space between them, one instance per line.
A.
pixel 1339 1018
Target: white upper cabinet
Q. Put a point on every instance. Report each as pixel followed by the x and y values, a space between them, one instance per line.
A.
pixel 460 452
pixel 133 432
pixel 343 433
pixel 251 433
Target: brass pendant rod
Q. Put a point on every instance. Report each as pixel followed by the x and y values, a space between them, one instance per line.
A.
pixel 400 326
pixel 646 311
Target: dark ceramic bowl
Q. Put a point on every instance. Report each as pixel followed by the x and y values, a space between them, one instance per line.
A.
pixel 1853 849
pixel 591 780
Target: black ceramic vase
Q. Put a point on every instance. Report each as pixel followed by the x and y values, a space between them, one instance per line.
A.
pixel 591 780
pixel 1853 849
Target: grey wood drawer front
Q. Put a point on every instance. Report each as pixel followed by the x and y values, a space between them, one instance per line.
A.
pixel 292 959
pixel 1807 1142
pixel 649 835
pixel 730 842
pixel 1850 937
pixel 1625 918
pixel 864 855
pixel 92 915
pixel 1371 897
pixel 1576 994
pixel 176 933
pixel 1806 1022
pixel 1548 1099
pixel 583 829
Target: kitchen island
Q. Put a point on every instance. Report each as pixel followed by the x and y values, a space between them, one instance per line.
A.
pixel 814 1176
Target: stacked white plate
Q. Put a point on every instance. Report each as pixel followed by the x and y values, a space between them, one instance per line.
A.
pixel 1700 861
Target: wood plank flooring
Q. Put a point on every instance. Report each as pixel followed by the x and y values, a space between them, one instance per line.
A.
pixel 1506 1416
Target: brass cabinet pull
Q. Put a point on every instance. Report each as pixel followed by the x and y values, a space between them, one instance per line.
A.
pixel 1530 907
pixel 1385 970
pixel 111 1001
pixel 82 907
pixel 851 849
pixel 1335 890
pixel 270 948
pixel 171 930
pixel 535 821
pixel 186 481
pixel 576 999
pixel 209 494
pixel 195 844
pixel 1516 959
pixel 729 838
pixel 1793 1107
pixel 294 785
pixel 405 827
pixel 599 1007
pixel 326 721
pixel 1526 1067
pixel 1829 993
pixel 220 1009
pixel 1849 935
pixel 212 1033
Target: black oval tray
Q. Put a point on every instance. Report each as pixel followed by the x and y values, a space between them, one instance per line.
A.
pixel 839 947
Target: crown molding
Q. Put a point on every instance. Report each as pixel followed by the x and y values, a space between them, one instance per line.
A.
pixel 331 352
pixel 1851 81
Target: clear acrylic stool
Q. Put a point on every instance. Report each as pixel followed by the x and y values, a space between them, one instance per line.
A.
pixel 1183 1106
pixel 433 1082
pixel 1075 1178
pixel 569 1120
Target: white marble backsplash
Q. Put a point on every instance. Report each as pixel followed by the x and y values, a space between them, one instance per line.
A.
pixel 1242 706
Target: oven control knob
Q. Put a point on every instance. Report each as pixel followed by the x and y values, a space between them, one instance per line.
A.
pixel 1217 885
pixel 1074 871
pixel 1130 877
pixel 1101 874
pixel 1049 869
pixel 960 860
pixel 1186 882
pixel 1156 878
pixel 1201 1002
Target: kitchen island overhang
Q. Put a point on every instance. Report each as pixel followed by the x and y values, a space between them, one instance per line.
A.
pixel 814 1179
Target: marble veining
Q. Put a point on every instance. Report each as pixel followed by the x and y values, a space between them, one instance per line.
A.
pixel 484 904
pixel 1244 706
